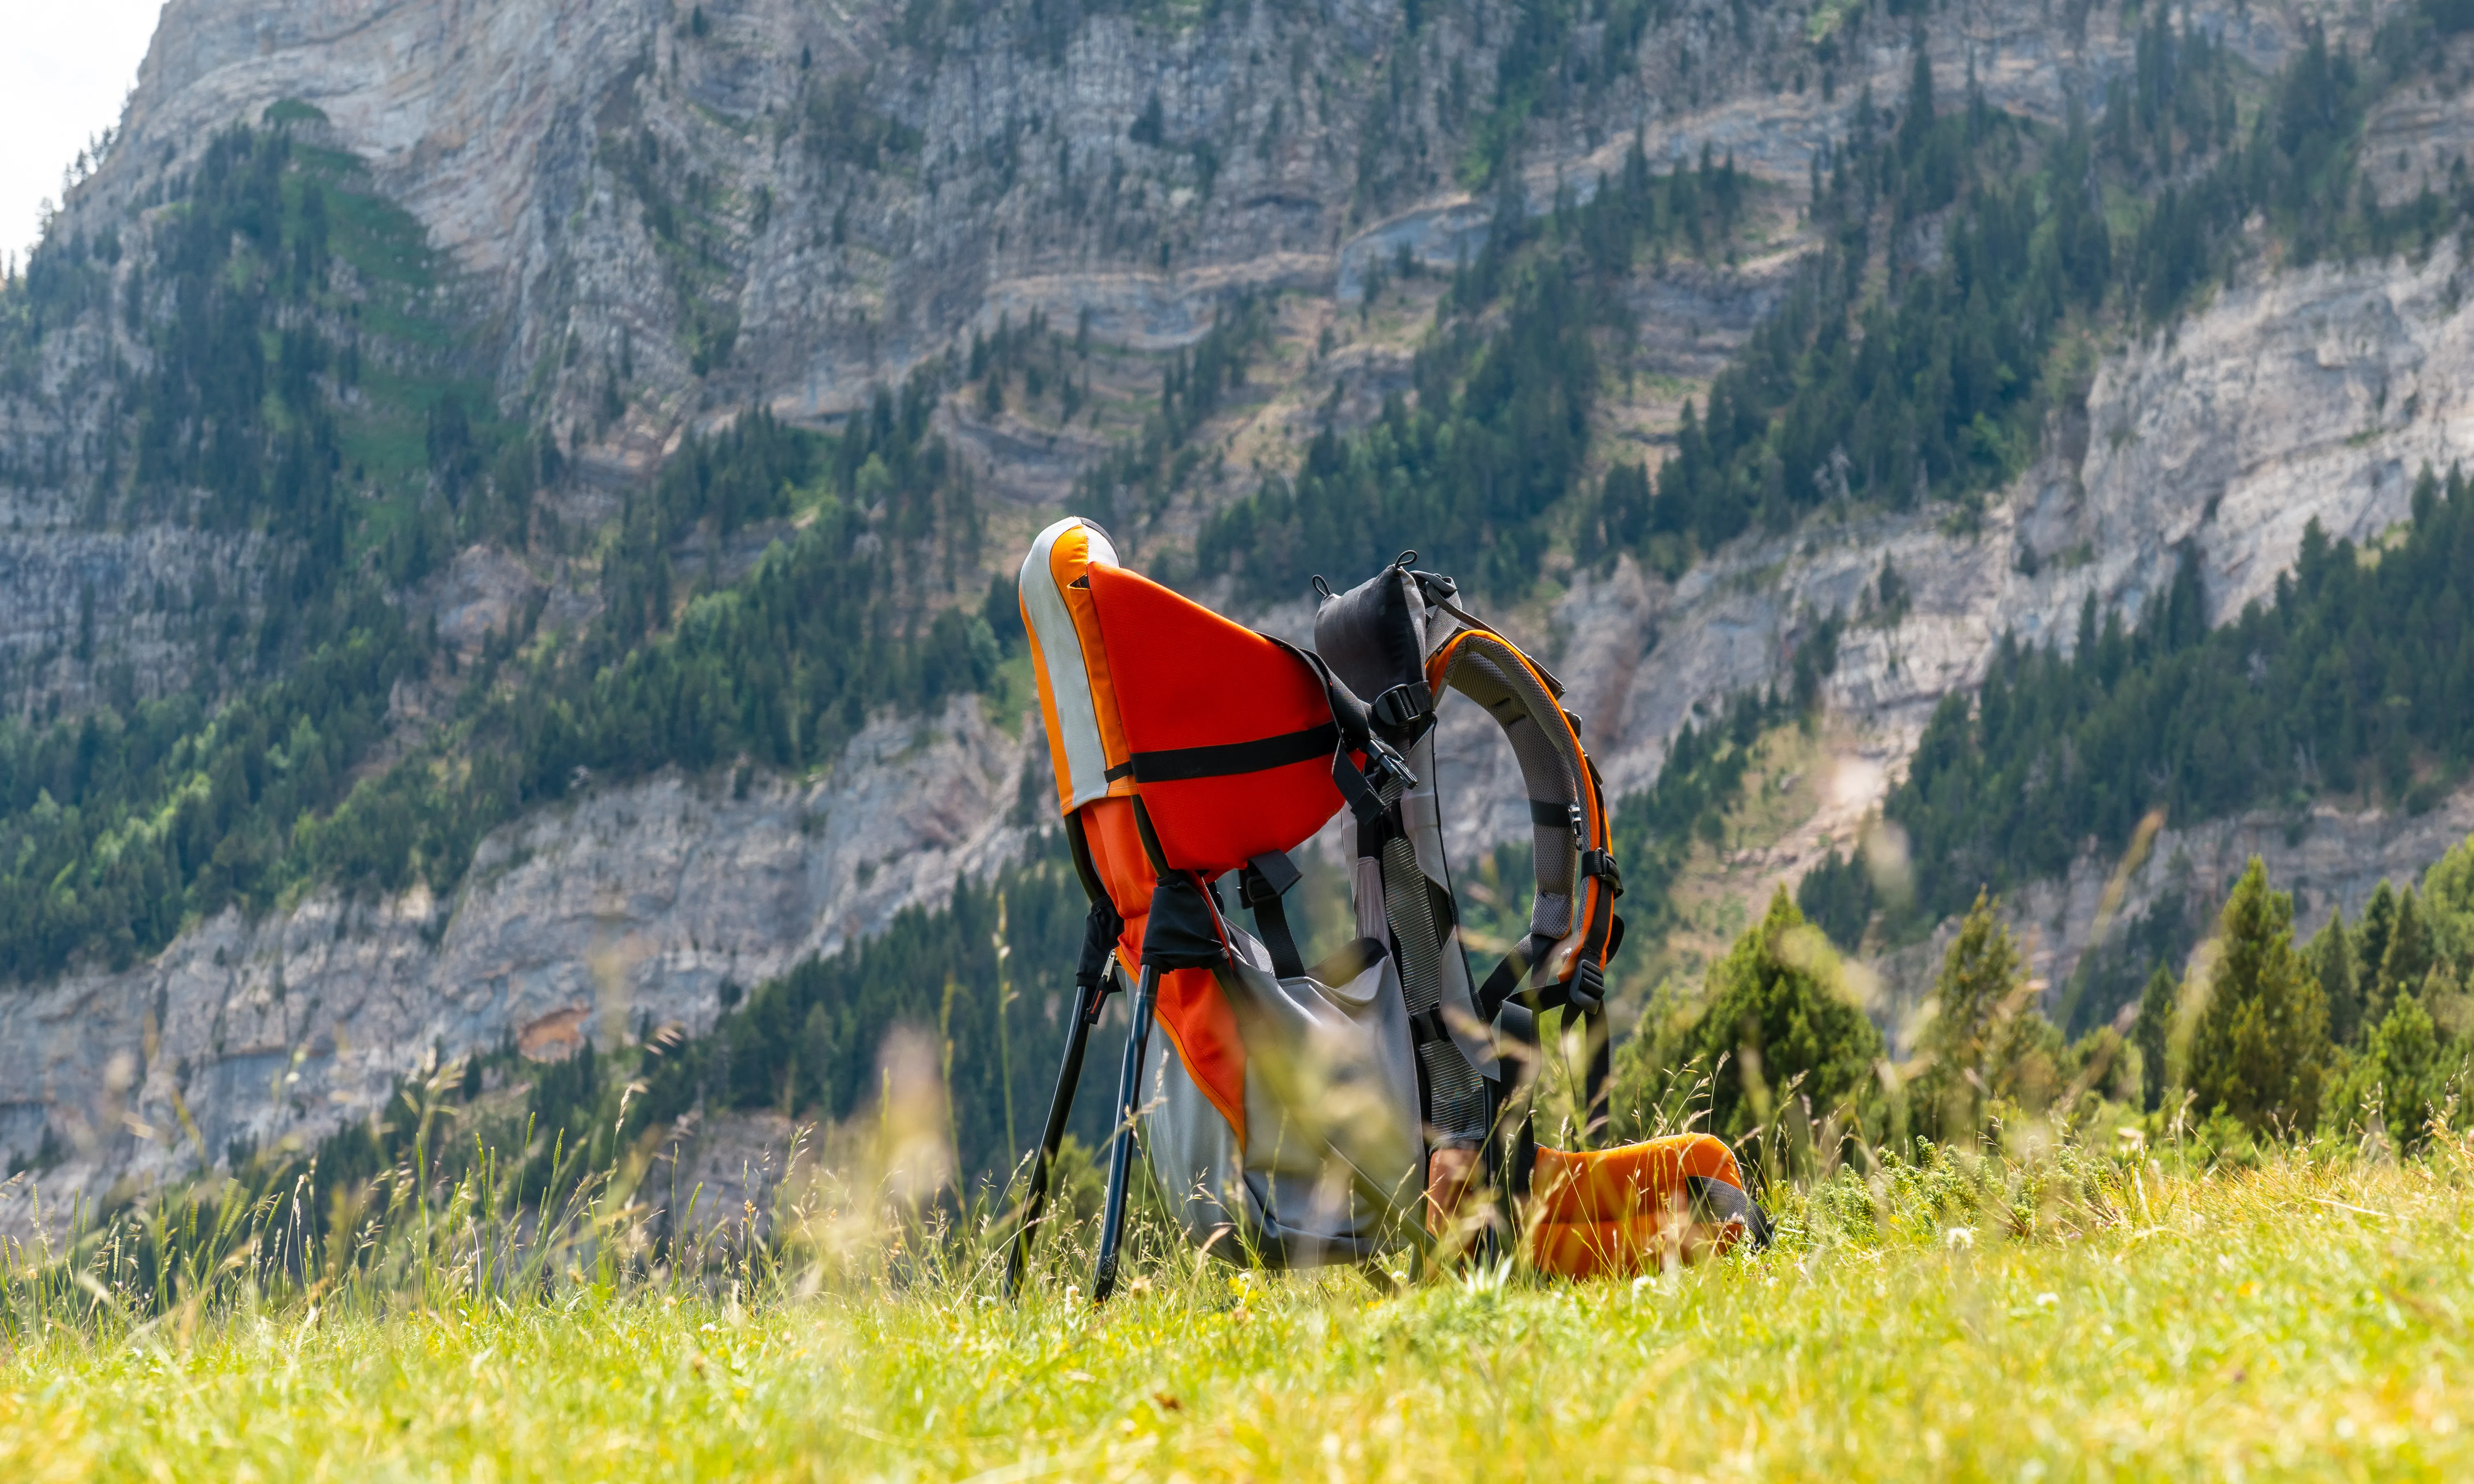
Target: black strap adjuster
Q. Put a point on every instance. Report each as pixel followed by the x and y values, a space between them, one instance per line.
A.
pixel 1404 713
pixel 1587 991
pixel 1601 863
pixel 1261 882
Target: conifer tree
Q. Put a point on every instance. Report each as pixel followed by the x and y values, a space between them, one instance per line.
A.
pixel 1779 1010
pixel 2407 959
pixel 2405 1074
pixel 2371 940
pixel 2332 960
pixel 2260 1050
pixel 2448 899
pixel 2154 1033
pixel 1988 1044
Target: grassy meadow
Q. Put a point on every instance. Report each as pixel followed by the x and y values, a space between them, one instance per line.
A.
pixel 2070 1315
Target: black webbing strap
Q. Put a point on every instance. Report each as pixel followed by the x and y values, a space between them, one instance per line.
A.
pixel 1178 765
pixel 1372 789
pixel 1403 714
pixel 1587 991
pixel 1505 981
pixel 1261 881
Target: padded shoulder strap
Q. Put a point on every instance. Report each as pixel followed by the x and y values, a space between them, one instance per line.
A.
pixel 1572 925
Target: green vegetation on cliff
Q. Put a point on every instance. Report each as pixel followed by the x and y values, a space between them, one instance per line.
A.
pixel 2357 679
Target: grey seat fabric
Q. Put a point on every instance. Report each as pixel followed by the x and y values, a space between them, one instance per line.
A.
pixel 1334 1161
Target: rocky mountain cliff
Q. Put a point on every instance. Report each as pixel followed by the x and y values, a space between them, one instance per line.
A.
pixel 648 218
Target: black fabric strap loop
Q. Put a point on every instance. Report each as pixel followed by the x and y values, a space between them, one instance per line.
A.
pixel 1550 814
pixel 1426 1028
pixel 1261 881
pixel 1183 931
pixel 1178 765
pixel 1102 926
pixel 1502 984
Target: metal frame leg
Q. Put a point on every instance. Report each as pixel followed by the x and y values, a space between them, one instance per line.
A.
pixel 1069 1077
pixel 1121 1147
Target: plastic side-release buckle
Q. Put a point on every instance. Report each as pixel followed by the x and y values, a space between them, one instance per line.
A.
pixel 1586 992
pixel 1404 713
pixel 1386 772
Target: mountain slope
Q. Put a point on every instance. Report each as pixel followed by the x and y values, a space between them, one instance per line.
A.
pixel 1173 269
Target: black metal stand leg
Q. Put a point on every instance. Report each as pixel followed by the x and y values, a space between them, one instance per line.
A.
pixel 1121 1147
pixel 1086 1010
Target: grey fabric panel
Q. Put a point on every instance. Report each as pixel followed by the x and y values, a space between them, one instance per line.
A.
pixel 1331 1103
pixel 1334 1160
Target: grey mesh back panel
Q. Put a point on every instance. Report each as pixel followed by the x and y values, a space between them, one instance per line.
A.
pixel 1333 1161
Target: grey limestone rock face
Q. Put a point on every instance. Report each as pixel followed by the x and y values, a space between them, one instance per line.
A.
pixel 628 908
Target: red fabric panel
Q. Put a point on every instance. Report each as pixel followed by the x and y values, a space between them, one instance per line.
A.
pixel 1185 677
pixel 1125 870
pixel 1194 1012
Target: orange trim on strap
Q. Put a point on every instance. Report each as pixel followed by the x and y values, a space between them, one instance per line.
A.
pixel 1589 893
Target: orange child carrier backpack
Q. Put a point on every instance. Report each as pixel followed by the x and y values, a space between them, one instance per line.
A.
pixel 1289 1112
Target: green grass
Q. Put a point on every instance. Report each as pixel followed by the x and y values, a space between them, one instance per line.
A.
pixel 2073 1318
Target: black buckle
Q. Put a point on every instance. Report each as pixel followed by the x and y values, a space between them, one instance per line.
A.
pixel 1267 877
pixel 1426 1028
pixel 1385 772
pixel 1601 863
pixel 1404 713
pixel 1587 991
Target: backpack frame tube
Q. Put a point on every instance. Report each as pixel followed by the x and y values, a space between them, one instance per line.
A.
pixel 1121 1147
pixel 1060 1104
